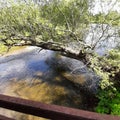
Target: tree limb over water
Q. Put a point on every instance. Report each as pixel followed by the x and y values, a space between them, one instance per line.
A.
pixel 65 51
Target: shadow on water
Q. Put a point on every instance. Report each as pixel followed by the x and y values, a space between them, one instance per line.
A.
pixel 47 77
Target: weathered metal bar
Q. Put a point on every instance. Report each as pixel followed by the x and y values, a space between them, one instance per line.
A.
pixel 53 112
pixel 5 118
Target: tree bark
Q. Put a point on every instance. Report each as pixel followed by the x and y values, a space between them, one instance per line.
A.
pixel 65 51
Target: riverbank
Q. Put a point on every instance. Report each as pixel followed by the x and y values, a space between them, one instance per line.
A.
pixel 15 49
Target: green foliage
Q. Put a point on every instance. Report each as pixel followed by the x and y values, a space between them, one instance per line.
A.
pixel 59 21
pixel 97 67
pixel 109 94
pixel 69 14
pixel 112 18
pixel 114 55
pixel 3 49
pixel 109 102
pixel 24 20
pixel 19 19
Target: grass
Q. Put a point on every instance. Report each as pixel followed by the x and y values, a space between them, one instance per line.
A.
pixel 4 49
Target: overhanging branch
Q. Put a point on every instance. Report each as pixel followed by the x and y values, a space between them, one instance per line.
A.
pixel 80 55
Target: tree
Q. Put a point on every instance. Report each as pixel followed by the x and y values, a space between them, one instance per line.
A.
pixel 50 26
pixel 55 24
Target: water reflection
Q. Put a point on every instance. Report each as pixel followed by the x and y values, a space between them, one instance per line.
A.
pixel 44 76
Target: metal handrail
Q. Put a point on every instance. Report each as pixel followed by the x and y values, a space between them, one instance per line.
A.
pixel 53 112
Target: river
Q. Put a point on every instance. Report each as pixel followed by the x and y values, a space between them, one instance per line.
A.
pixel 47 77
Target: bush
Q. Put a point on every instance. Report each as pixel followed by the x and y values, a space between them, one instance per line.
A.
pixel 109 95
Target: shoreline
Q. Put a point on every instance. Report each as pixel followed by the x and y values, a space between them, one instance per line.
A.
pixel 16 50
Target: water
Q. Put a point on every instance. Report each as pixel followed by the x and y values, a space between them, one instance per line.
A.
pixel 47 77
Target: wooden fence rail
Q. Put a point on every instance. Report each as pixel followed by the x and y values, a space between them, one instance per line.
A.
pixel 53 112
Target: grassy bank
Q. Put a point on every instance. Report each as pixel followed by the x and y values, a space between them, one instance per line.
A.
pixel 4 49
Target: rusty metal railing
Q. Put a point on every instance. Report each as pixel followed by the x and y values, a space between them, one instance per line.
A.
pixel 53 112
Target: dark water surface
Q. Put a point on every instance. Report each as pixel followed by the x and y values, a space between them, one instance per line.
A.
pixel 47 77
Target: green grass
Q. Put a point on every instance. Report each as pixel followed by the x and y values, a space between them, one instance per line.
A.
pixel 3 49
